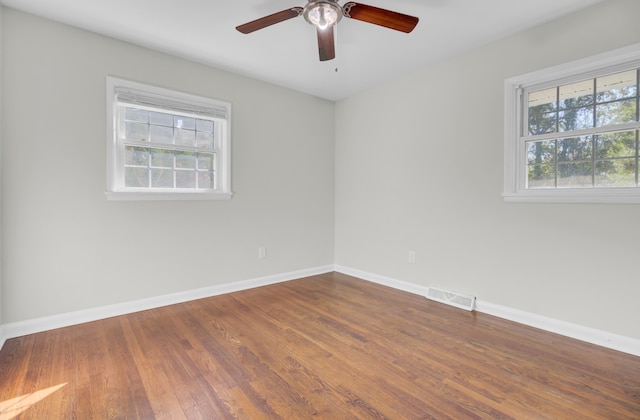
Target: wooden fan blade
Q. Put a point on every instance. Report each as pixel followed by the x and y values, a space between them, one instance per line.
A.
pixel 326 45
pixel 272 19
pixel 377 16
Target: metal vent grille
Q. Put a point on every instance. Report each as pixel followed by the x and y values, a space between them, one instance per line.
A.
pixel 452 298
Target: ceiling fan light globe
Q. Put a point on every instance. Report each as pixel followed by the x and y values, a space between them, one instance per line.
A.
pixel 322 20
pixel 322 13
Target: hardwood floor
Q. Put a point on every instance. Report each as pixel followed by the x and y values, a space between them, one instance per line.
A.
pixel 328 346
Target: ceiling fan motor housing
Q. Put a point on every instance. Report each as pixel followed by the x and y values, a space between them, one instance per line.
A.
pixel 322 13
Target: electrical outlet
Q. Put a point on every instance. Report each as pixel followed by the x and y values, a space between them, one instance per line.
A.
pixel 262 252
pixel 412 257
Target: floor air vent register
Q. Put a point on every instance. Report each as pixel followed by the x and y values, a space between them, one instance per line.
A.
pixel 452 298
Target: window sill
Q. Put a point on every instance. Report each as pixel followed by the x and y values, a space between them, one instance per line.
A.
pixel 165 196
pixel 577 196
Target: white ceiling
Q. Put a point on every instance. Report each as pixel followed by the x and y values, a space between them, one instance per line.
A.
pixel 286 54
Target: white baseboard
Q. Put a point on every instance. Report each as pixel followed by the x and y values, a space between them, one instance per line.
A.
pixel 3 338
pixel 31 326
pixel 590 335
pixel 416 289
pixel 579 332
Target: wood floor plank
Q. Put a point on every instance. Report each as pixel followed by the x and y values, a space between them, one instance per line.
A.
pixel 328 346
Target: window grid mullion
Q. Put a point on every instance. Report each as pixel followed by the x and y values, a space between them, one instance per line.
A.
pixel 166 146
pixel 583 132
pixel 557 122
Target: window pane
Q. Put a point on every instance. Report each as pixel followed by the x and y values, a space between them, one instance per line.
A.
pixel 576 175
pixel 185 137
pixel 204 125
pixel 136 131
pixel 542 122
pixel 542 107
pixel 617 86
pixel 618 112
pixel 575 119
pixel 204 139
pixel 161 178
pixel 205 180
pixel 185 179
pixel 162 158
pixel 576 95
pixel 133 114
pixel 205 161
pixel 545 97
pixel 184 122
pixel 138 156
pixel 160 118
pixel 541 176
pixel 136 177
pixel 185 160
pixel 615 145
pixel 160 134
pixel 541 152
pixel 616 173
pixel 575 148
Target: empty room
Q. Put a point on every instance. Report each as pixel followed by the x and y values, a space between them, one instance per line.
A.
pixel 279 209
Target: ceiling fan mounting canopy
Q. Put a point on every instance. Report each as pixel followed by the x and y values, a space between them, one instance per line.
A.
pixel 324 14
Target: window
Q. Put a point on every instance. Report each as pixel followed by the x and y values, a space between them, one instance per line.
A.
pixel 572 132
pixel 165 145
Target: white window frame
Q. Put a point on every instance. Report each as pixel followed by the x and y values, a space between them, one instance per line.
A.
pixel 515 165
pixel 170 101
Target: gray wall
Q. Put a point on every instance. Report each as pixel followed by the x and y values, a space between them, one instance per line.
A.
pixel 1 96
pixel 428 177
pixel 67 248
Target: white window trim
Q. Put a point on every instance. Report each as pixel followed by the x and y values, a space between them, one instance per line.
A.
pixel 514 164
pixel 114 160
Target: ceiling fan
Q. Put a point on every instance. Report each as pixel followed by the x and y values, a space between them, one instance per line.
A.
pixel 324 14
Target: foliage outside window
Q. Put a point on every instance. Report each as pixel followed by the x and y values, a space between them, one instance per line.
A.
pixel 165 144
pixel 572 132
